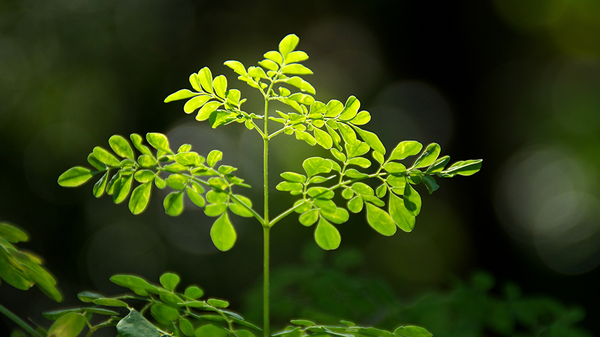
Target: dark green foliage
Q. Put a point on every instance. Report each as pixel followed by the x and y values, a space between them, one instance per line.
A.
pixel 163 311
pixel 475 308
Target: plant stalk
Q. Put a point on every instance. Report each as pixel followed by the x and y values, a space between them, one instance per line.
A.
pixel 266 220
pixel 19 321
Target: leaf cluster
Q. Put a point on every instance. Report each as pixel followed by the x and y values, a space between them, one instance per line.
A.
pixel 23 269
pixel 301 328
pixel 165 312
pixel 206 184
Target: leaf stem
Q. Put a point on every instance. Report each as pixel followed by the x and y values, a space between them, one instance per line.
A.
pixel 18 321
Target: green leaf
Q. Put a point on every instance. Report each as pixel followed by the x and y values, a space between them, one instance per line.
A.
pixel 137 142
pixel 400 214
pixel 347 133
pixel 274 56
pixel 100 186
pixel 135 325
pixel 438 165
pixel 269 64
pixel 144 176
pixel 301 84
pixel 210 330
pixel 405 149
pixel 195 103
pixel 316 165
pixel 237 67
pixel 360 161
pixel 146 161
pixel 361 118
pixel 302 322
pixel 381 190
pixel 309 218
pixel 220 85
pixel 380 220
pixel 323 138
pixel 169 281
pixel 213 157
pixel 180 94
pixel 240 210
pixel 205 79
pixel 350 109
pixel 121 146
pixel 164 313
pixel 193 292
pixel 159 141
pixel 12 276
pixel 139 198
pixel 106 157
pixel 173 203
pixel 334 107
pixel 338 155
pixel 296 69
pixel 347 193
pixel 362 188
pixel 137 284
pixel 356 149
pixel 293 177
pixel 354 174
pixel 122 188
pixel 177 181
pixel 327 236
pixel 74 176
pixel 302 98
pixel 110 302
pixel 11 233
pixel 88 296
pixel 217 303
pixel 378 156
pixel 233 96
pixel 412 200
pixel 338 217
pixel 393 167
pixel 428 156
pixel 186 327
pixel 355 204
pixel 296 56
pixel 305 136
pixel 320 192
pixel 101 311
pixel 412 331
pixel 207 110
pixel 195 197
pixel 430 183
pixel 98 165
pixel 464 168
pixel 223 234
pixel 69 325
pixel 371 139
pixel 288 44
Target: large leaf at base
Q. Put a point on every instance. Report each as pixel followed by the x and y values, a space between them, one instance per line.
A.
pixel 75 176
pixel 327 236
pixel 222 233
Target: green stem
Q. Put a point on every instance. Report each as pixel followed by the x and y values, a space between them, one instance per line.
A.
pixel 19 321
pixel 266 224
pixel 266 282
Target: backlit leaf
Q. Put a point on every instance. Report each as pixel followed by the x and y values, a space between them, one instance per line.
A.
pixel 380 220
pixel 400 215
pixel 195 197
pixel 309 218
pixel 438 165
pixel 158 141
pixel 207 110
pixel 205 79
pixel 181 94
pixel 412 200
pixel 355 205
pixel 139 198
pixel 296 56
pixel 361 118
pixel 288 44
pixel 106 157
pixel 428 157
pixel 237 66
pixel 240 210
pixel 371 139
pixel 122 189
pixel 121 146
pixel 173 203
pixel 214 157
pixel 323 138
pixel 465 168
pixel 195 103
pixel 296 69
pixel 293 177
pixel 75 176
pixel 220 85
pixel 430 183
pixel 169 281
pixel 338 217
pixel 327 236
pixel 405 149
pixel 350 109
pixel 222 233
pixel 98 165
pixel 301 84
pixel 316 165
pixel 347 133
pixel 274 56
pixel 193 292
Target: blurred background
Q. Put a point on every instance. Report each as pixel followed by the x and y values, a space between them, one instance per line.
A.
pixel 515 83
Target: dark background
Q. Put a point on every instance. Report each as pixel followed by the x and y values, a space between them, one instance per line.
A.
pixel 514 83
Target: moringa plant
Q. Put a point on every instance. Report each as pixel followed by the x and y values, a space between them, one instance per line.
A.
pixel 367 175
